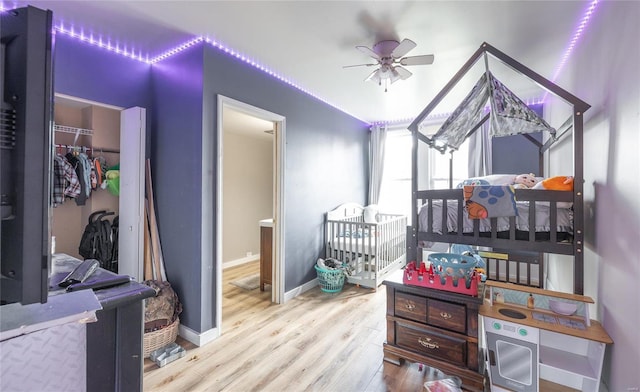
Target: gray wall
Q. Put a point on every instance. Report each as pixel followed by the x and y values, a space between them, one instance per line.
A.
pixel 326 154
pixel 326 165
pixel 604 71
pixel 176 159
pixel 517 154
pixel 92 73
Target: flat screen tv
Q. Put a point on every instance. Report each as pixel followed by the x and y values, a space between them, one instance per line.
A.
pixel 25 154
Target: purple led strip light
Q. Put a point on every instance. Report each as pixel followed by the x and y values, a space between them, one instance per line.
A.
pixel 576 37
pixel 582 26
pixel 99 42
pixel 89 39
pixel 131 54
pixel 239 56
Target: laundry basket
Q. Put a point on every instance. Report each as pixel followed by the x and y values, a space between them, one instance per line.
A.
pixel 331 280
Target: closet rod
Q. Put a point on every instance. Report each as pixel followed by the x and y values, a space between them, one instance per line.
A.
pixel 94 149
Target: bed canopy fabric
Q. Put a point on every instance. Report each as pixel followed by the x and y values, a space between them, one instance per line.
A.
pixel 509 115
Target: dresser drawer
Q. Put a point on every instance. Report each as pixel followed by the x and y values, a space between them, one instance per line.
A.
pixel 447 315
pixel 411 307
pixel 432 343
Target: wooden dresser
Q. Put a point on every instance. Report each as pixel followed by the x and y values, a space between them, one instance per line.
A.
pixel 265 253
pixel 434 327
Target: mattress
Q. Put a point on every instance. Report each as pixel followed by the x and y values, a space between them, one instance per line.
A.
pixel 361 245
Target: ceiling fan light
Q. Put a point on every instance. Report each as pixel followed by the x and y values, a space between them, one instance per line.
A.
pixel 395 76
pixel 373 76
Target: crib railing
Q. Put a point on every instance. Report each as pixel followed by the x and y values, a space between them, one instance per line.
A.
pixel 371 249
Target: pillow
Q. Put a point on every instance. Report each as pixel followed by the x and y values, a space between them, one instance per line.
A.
pixel 493 179
pixel 371 213
pixel 558 183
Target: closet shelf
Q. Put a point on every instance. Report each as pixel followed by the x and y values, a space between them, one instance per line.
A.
pixel 74 130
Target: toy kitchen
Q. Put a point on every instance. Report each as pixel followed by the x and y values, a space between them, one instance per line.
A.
pixel 540 340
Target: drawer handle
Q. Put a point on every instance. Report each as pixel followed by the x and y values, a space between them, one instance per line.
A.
pixel 426 342
pixel 410 306
pixel 445 315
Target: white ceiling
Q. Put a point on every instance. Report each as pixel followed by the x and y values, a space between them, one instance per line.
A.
pixel 308 42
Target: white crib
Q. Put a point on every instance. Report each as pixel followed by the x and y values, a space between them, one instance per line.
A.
pixel 373 250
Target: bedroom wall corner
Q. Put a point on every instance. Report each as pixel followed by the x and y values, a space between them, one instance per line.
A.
pixel 176 162
pixel 326 154
pixel 604 72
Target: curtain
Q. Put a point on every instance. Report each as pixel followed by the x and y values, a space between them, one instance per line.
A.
pixel 376 161
pixel 480 152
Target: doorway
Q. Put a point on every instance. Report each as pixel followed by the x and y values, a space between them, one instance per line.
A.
pixel 238 242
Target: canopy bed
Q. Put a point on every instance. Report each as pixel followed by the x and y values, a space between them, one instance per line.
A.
pixel 542 219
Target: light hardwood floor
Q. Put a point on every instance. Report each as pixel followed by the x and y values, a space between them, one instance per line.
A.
pixel 315 342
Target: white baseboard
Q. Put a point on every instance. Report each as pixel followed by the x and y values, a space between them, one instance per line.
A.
pixel 300 289
pixel 237 262
pixel 199 339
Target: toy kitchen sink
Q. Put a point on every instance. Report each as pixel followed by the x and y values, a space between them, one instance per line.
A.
pixel 540 340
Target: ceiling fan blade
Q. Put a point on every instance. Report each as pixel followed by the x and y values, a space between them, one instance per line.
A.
pixel 403 48
pixel 359 65
pixel 402 72
pixel 417 60
pixel 375 75
pixel 368 52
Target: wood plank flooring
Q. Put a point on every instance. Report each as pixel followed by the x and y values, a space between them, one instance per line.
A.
pixel 315 342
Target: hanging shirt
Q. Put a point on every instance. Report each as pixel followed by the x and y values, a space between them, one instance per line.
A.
pixel 86 172
pixel 81 198
pixel 57 192
pixel 70 178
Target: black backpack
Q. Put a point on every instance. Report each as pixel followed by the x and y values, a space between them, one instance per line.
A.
pixel 115 224
pixel 97 239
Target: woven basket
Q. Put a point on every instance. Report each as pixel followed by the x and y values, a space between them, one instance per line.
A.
pixel 160 338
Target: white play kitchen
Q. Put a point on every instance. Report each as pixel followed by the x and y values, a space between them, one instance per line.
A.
pixel 540 340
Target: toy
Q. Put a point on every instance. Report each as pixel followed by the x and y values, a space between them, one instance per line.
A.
pixel 525 181
pixel 558 183
pixel 448 279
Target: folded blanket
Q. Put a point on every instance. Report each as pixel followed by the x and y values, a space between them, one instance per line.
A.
pixel 489 201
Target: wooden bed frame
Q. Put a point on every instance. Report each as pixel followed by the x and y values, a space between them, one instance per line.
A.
pixel 509 242
pixel 377 249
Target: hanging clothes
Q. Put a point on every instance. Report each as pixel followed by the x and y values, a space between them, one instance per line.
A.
pixel 86 172
pixel 101 169
pixel 67 179
pixel 81 199
pixel 58 182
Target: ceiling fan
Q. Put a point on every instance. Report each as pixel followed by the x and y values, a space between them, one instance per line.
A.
pixel 389 56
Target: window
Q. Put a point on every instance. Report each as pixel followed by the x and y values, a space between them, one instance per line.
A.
pixel 438 176
pixel 395 193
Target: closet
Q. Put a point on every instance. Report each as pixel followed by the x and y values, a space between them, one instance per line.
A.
pixel 114 136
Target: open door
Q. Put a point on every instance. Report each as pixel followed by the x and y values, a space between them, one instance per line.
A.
pixel 132 181
pixel 277 286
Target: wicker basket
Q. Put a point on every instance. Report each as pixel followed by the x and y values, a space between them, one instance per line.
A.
pixel 160 338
